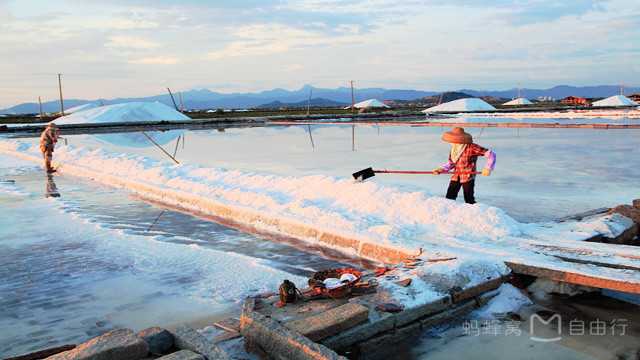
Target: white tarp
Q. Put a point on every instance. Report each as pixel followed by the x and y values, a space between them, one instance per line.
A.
pixel 367 104
pixel 616 100
pixel 518 101
pixel 127 112
pixel 467 104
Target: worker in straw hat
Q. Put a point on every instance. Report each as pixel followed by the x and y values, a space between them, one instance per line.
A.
pixel 48 140
pixel 462 160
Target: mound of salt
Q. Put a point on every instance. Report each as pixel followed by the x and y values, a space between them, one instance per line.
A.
pixel 127 112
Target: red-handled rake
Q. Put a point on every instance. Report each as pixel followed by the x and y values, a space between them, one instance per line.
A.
pixel 367 173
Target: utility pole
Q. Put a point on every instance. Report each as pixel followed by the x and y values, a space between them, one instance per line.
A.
pixel 40 105
pixel 60 90
pixel 353 99
pixel 353 126
pixel 309 102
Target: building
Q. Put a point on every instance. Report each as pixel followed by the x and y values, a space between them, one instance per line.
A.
pixel 635 97
pixel 575 100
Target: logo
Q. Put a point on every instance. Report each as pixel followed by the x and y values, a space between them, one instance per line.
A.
pixel 537 323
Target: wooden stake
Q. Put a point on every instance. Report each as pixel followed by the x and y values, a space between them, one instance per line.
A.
pixel 160 147
pixel 173 100
pixel 175 151
pixel 156 220
pixel 60 90
pixel 313 146
pixel 40 104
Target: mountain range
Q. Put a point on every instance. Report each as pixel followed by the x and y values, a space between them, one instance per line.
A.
pixel 207 99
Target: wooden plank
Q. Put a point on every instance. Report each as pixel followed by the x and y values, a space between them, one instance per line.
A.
pixel 576 277
pixel 227 335
pixel 596 263
pixel 229 324
pixel 43 353
pixel 477 290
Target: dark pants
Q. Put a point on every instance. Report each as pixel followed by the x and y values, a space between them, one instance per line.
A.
pixel 467 188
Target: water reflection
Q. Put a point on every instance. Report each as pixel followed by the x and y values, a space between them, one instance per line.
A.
pixel 51 189
pixel 138 139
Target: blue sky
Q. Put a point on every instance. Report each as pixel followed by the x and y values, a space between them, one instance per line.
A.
pixel 118 48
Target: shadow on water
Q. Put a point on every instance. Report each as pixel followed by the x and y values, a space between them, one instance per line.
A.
pixel 119 210
pixel 51 189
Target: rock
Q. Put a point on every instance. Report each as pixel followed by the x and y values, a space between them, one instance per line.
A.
pixel 404 283
pixel 160 340
pixel 632 212
pixel 330 322
pixel 182 355
pixel 389 307
pixel 120 344
pixel 541 288
pixel 269 338
pixel 186 338
pixel 636 204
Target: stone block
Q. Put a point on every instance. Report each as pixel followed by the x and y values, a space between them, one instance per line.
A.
pixel 187 338
pixel 376 325
pixel 160 340
pixel 120 344
pixel 415 313
pixel 182 355
pixel 267 336
pixel 477 290
pixel 385 346
pixel 449 315
pixel 330 322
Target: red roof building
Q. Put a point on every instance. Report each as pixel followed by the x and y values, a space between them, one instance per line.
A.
pixel 575 100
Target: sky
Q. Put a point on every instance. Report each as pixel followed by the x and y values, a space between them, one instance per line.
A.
pixel 118 48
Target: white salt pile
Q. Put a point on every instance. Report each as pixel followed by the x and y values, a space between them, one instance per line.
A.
pixel 616 100
pixel 127 112
pixel 468 104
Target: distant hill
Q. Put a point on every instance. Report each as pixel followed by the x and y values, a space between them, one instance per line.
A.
pixel 445 97
pixel 206 99
pixel 315 103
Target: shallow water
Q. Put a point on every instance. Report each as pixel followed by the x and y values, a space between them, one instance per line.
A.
pixel 541 174
pixel 590 326
pixel 93 259
pixel 96 258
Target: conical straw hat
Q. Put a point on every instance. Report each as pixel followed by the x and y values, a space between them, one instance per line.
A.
pixel 457 136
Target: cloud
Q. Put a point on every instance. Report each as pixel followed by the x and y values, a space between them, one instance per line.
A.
pixel 429 44
pixel 155 60
pixel 130 42
pixel 267 39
